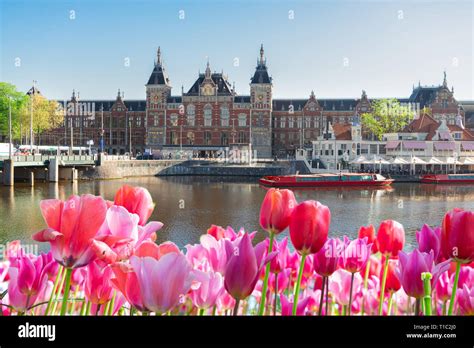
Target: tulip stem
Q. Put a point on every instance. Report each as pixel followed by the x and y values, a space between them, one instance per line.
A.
pixel 66 291
pixel 384 280
pixel 112 304
pixel 417 306
pixel 201 312
pixel 366 281
pixel 321 299
pixel 327 296
pixel 55 288
pixel 236 306
pixel 455 288
pixel 426 278
pixel 298 283
pixel 350 295
pixel 390 301
pixel 261 309
pixel 276 295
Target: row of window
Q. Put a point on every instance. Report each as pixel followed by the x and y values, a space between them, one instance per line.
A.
pixel 113 122
pixel 309 121
pixel 191 120
pixel 177 138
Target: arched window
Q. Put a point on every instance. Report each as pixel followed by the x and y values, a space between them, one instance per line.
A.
pixel 242 120
pixel 225 116
pixel 208 115
pixel 191 110
pixel 174 120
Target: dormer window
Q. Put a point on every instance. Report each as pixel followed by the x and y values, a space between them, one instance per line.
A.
pixel 457 135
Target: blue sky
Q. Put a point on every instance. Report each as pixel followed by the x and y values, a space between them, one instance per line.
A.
pixel 336 48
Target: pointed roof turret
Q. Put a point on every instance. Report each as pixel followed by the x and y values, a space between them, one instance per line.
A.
pixel 261 72
pixel 159 75
pixel 445 81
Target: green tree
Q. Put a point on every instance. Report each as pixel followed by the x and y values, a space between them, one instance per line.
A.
pixel 387 116
pixel 46 113
pixel 19 101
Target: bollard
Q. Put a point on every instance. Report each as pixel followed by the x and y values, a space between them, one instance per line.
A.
pixel 53 170
pixel 8 172
pixel 31 178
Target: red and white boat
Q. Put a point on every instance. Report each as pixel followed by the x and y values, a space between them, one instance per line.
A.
pixel 325 180
pixel 447 179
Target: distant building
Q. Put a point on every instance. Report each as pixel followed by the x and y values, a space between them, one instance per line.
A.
pixel 211 116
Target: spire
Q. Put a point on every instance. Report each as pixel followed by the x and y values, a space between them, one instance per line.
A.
pixel 208 70
pixel 158 56
pixel 262 56
pixel 119 95
pixel 445 81
pixel 312 96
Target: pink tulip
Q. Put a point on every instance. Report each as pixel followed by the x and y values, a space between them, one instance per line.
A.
pixel 465 299
pixel 443 287
pixel 162 282
pixel 225 302
pixel 244 266
pixel 126 281
pixel 429 239
pixel 206 292
pixel 309 226
pixel 280 260
pixel 209 250
pixel 276 210
pixel 286 306
pixel 121 236
pixel 97 287
pixel 412 265
pixel 326 260
pixel 218 232
pixel 355 255
pixel 71 227
pixel 137 200
pixel 457 235
pixel 28 282
pixel 340 285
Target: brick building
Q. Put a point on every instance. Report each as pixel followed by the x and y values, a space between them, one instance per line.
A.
pixel 211 116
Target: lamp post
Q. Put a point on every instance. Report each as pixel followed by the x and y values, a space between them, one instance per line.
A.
pixel 10 128
pixel 130 138
pixel 31 116
pixel 102 129
pixel 455 155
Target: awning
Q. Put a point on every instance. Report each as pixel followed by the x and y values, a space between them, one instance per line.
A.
pixel 359 160
pixel 434 160
pixel 411 145
pixel 451 160
pixel 398 160
pixel 392 144
pixel 468 160
pixel 468 146
pixel 442 145
pixel 416 160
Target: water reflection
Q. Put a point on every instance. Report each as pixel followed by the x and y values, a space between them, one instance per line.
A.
pixel 189 205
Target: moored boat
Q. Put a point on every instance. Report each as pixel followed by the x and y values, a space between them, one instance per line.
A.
pixel 447 179
pixel 320 180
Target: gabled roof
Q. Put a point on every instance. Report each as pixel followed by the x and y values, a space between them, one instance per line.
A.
pixel 423 124
pixel 342 131
pixel 223 86
pixel 158 76
pixel 424 95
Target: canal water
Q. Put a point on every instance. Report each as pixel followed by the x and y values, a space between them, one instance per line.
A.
pixel 189 205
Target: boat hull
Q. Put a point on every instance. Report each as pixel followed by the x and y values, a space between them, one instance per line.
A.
pixel 434 180
pixel 286 183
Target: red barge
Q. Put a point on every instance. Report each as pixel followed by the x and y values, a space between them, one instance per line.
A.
pixel 448 179
pixel 324 180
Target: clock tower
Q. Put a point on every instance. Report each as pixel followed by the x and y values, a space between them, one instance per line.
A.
pixel 158 89
pixel 261 108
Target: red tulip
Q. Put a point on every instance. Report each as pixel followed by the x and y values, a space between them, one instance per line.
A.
pixel 136 200
pixel 71 227
pixel 369 232
pixel 457 235
pixel 390 238
pixel 309 226
pixel 276 210
pixel 392 283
